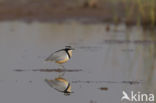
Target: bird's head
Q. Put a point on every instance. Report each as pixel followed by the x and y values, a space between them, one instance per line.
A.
pixel 69 48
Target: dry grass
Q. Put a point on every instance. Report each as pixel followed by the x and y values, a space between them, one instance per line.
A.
pixel 143 10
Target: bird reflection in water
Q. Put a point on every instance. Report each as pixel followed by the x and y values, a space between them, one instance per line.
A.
pixel 60 84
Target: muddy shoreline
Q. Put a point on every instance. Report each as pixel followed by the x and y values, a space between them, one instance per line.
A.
pixel 59 11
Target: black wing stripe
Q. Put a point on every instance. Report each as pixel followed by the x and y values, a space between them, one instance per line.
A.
pixel 65 91
pixel 68 53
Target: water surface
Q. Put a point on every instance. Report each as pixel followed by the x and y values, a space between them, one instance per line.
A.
pixel 114 60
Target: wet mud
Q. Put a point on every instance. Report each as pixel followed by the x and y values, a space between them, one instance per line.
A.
pixel 48 70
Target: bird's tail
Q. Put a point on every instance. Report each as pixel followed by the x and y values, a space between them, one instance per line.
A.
pixel 48 59
pixel 49 82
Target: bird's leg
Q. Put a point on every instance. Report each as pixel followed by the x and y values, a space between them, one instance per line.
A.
pixel 62 74
pixel 62 66
pixel 63 70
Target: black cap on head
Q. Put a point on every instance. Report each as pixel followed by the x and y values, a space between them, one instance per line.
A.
pixel 69 47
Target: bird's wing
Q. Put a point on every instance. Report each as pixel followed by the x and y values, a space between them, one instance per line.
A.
pixel 59 86
pixel 56 56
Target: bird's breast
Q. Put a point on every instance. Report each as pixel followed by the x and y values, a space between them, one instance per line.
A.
pixel 63 60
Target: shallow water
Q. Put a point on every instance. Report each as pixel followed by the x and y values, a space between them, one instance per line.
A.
pixel 116 59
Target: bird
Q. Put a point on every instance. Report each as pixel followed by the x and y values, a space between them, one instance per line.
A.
pixel 60 84
pixel 61 56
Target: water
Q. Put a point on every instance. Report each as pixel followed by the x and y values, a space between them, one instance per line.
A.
pixel 114 60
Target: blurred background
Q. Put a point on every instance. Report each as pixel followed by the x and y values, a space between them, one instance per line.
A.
pixel 115 43
pixel 93 11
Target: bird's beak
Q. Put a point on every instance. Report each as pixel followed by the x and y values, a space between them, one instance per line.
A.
pixel 72 48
